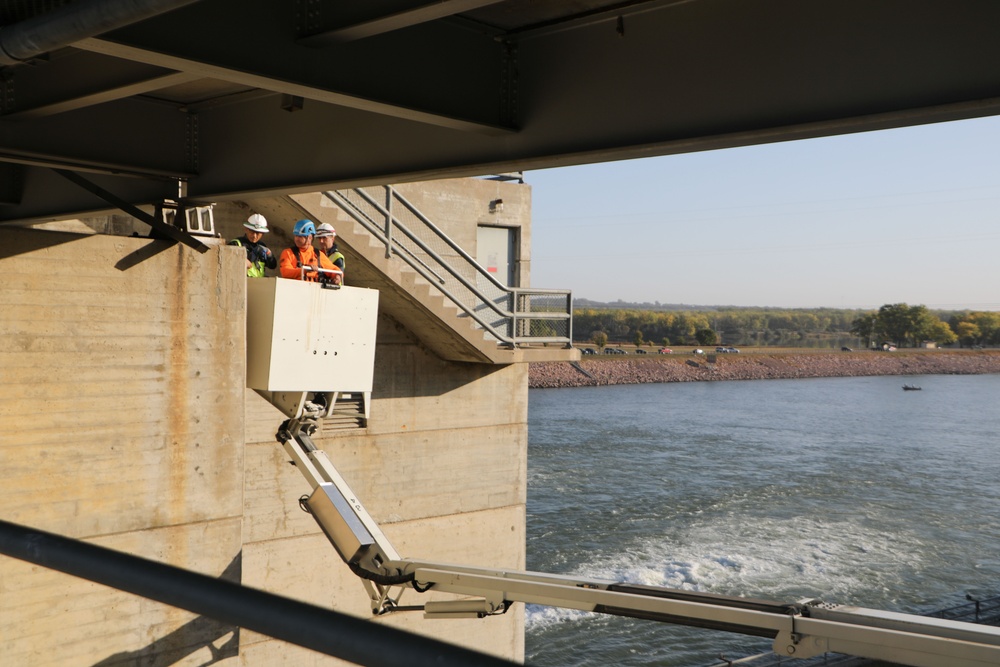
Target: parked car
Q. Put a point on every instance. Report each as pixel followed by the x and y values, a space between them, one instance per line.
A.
pixel 722 350
pixel 698 351
pixel 610 350
pixel 732 350
pixel 664 350
pixel 588 350
pixel 638 351
pixel 846 349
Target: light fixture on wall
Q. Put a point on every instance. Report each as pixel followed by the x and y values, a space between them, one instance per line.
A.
pixel 496 206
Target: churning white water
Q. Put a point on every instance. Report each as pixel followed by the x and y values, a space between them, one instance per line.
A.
pixel 846 489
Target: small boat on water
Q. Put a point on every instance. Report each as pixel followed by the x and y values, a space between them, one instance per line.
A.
pixel 910 387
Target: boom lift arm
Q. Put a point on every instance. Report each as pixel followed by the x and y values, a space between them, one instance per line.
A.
pixel 802 629
pixel 306 333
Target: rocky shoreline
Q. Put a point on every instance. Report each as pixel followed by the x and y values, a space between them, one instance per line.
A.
pixel 760 366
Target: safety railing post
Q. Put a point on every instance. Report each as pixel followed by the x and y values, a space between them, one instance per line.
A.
pixel 388 221
pixel 569 325
pixel 515 314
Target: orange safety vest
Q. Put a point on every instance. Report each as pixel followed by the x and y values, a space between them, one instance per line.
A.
pixel 292 260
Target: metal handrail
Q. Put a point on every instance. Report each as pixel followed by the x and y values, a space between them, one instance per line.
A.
pixel 457 248
pixel 423 269
pixel 506 304
pixel 440 260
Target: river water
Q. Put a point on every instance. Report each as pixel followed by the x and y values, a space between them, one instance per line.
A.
pixel 846 489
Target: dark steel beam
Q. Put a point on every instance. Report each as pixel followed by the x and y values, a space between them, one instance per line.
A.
pixel 397 21
pixel 323 630
pixel 70 23
pixel 286 86
pixel 448 78
pixel 138 87
pixel 34 159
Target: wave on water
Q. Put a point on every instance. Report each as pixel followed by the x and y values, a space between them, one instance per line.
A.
pixel 835 560
pixel 845 490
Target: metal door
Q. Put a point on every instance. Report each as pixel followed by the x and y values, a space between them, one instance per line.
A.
pixel 495 250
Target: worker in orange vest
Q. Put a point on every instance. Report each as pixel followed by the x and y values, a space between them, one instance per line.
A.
pixel 303 256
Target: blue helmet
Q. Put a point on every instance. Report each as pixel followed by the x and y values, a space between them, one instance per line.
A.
pixel 304 228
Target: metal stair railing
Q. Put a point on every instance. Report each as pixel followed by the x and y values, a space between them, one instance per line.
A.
pixel 513 316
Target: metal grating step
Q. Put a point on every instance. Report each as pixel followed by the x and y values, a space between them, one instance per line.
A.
pixel 348 415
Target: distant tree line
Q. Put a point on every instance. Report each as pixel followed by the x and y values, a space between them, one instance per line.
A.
pixel 897 324
pixel 976 328
pixel 729 326
pixel 905 325
pixel 902 325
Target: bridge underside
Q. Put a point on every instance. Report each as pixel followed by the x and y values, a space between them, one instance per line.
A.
pixel 233 98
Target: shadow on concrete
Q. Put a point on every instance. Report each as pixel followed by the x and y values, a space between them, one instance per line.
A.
pixel 139 256
pixel 200 633
pixel 32 240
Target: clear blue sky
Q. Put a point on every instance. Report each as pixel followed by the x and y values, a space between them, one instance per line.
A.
pixel 857 221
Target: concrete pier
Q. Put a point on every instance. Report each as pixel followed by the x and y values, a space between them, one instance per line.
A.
pixel 126 423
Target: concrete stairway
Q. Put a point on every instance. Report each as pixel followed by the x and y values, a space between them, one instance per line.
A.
pixel 404 295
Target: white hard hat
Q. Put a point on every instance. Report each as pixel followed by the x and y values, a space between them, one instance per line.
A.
pixel 325 229
pixel 256 223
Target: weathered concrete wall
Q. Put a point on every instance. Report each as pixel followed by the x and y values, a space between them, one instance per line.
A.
pixel 121 409
pixel 127 425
